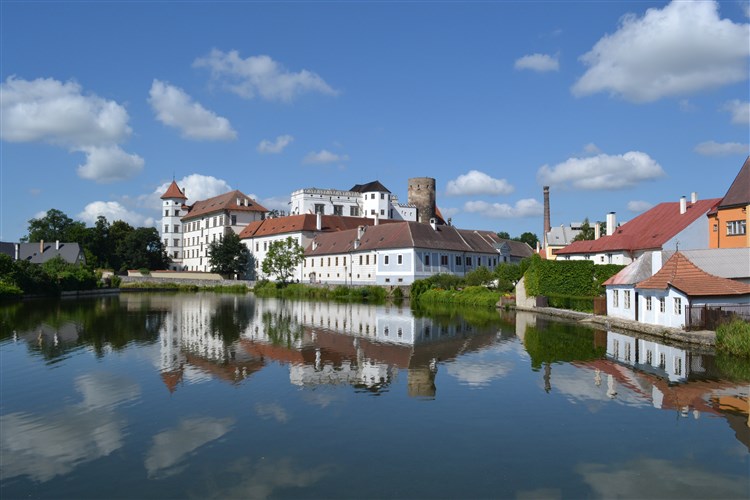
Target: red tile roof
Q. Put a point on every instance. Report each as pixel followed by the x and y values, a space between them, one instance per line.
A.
pixel 304 223
pixel 226 201
pixel 174 191
pixel 650 230
pixel 678 272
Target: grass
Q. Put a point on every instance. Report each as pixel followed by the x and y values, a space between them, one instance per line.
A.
pixel 374 294
pixel 183 287
pixel 734 338
pixel 469 296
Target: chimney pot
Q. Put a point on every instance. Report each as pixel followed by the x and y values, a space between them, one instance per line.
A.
pixel 683 205
pixel 611 223
pixel 597 231
pixel 318 222
pixel 57 244
pixel 41 247
pixel 433 224
pixel 693 197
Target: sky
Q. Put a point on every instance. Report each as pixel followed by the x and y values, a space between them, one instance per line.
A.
pixel 617 106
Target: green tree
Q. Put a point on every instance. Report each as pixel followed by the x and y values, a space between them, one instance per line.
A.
pixel 480 276
pixel 528 238
pixel 141 248
pixel 229 256
pixel 504 235
pixel 54 226
pixel 282 259
pixel 587 231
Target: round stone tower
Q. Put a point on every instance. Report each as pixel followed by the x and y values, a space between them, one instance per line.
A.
pixel 422 195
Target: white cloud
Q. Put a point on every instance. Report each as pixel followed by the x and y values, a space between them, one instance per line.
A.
pixel 51 111
pixel 196 187
pixel 538 62
pixel 109 164
pixel 113 211
pixel 324 156
pixel 47 110
pixel 260 75
pixel 602 171
pixel 449 211
pixel 740 111
pixel 686 106
pixel 175 108
pixel 274 202
pixel 713 148
pixel 639 206
pixel 476 182
pixel 528 207
pixel 680 49
pixel 276 146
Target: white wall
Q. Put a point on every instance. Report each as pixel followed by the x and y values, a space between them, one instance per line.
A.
pixel 617 307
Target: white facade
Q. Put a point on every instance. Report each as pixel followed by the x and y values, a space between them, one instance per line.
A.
pixel 674 363
pixel 259 246
pixel 380 204
pixel 171 230
pixel 621 301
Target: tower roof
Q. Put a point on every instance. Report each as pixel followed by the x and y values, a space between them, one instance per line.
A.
pixel 174 191
pixel 739 192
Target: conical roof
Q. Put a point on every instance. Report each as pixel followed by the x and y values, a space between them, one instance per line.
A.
pixel 173 191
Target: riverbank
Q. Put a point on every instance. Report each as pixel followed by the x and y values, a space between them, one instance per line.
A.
pixel 705 338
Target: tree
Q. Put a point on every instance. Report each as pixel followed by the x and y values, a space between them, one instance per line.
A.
pixel 503 235
pixel 529 238
pixel 282 259
pixel 587 232
pixel 54 226
pixel 140 248
pixel 229 256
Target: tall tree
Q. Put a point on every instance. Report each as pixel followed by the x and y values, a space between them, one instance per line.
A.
pixel 587 232
pixel 529 238
pixel 141 248
pixel 54 226
pixel 282 259
pixel 504 235
pixel 229 256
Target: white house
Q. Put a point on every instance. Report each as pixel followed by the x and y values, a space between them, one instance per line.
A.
pixel 666 226
pixel 400 253
pixel 362 200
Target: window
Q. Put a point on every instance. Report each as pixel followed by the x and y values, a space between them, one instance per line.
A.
pixel 321 262
pixel 234 220
pixel 354 211
pixel 360 260
pixel 166 228
pixel 166 213
pixel 648 303
pixel 616 298
pixel 627 299
pixel 426 259
pixel 176 213
pixel 468 261
pixel 382 196
pixel 256 246
pixel 175 243
pixel 367 260
pixel 265 246
pixel 458 260
pixel 372 212
pixel 678 366
pixel 400 259
pixel 329 262
pixel 736 228
pixel 166 242
pixel 337 261
pixel 677 305
pixel 662 304
pixel 443 260
pixel 176 228
pixel 338 210
pixel 649 357
pixel 385 260
pixel 716 228
pixel 382 212
pixel 627 352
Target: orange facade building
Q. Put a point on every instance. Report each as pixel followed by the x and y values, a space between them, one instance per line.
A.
pixel 727 224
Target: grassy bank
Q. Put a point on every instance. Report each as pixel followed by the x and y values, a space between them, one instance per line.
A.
pixel 183 287
pixel 470 296
pixel 374 294
pixel 734 338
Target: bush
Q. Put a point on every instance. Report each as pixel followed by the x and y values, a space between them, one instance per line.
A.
pixel 734 338
pixel 584 304
pixel 9 290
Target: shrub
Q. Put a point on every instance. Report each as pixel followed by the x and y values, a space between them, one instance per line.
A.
pixel 734 338
pixel 9 290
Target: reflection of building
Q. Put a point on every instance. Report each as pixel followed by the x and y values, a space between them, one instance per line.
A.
pixel 358 344
pixel 670 362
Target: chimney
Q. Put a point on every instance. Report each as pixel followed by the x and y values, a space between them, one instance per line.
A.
pixel 656 261
pixel 356 243
pixel 18 251
pixel 547 224
pixel 611 223
pixel 433 224
pixel 597 230
pixel 314 245
pixel 41 247
pixel 360 232
pixel 693 197
pixel 683 205
pixel 318 222
pixel 377 220
pixel 57 244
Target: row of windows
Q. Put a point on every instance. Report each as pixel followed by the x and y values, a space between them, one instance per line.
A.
pixel 677 302
pixel 736 228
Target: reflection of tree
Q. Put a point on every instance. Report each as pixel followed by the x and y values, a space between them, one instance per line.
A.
pixel 96 322
pixel 553 342
pixel 446 315
pixel 280 328
pixel 230 319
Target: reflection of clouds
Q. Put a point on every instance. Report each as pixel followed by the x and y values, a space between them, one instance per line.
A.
pixel 262 479
pixel 272 410
pixel 104 390
pixel 172 445
pixel 321 398
pixel 478 374
pixel 545 493
pixel 480 368
pixel 583 385
pixel 44 446
pixel 654 478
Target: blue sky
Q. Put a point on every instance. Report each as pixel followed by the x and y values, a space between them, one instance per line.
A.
pixel 617 106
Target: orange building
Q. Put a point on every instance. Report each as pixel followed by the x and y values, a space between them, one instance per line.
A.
pixel 727 225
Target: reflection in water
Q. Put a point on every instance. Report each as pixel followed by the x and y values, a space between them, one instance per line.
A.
pixel 172 446
pixel 254 386
pixel 44 446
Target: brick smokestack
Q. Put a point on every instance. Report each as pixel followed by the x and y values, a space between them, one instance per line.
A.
pixel 547 224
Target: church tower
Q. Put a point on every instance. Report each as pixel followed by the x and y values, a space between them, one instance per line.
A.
pixel 171 225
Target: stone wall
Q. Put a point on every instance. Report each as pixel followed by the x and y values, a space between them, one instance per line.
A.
pixel 185 281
